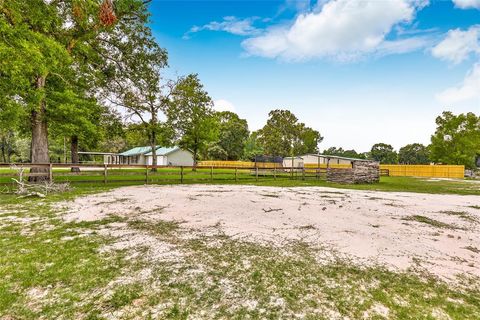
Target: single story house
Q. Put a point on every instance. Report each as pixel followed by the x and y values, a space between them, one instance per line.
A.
pixel 173 156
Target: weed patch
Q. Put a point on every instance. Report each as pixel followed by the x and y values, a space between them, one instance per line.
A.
pixel 430 221
pixel 461 214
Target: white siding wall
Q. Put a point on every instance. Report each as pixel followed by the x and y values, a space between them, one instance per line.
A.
pixel 141 159
pixel 297 162
pixel 161 160
pixel 313 159
pixel 180 158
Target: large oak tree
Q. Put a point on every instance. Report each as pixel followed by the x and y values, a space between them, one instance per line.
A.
pixel 191 114
pixel 47 41
pixel 283 135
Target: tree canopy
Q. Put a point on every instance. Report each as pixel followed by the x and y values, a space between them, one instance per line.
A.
pixel 191 113
pixel 334 151
pixel 384 153
pixel 283 135
pixel 71 41
pixel 456 139
pixel 232 136
pixel 414 153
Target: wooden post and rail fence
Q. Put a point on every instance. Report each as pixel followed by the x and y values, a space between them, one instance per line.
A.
pixel 116 173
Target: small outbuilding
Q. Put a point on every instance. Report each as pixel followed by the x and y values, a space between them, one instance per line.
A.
pixel 339 169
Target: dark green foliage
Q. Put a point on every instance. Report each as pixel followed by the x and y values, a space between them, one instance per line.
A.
pixel 384 153
pixel 252 147
pixel 414 153
pixel 284 136
pixel 232 136
pixel 190 113
pixel 56 54
pixel 334 151
pixel 456 139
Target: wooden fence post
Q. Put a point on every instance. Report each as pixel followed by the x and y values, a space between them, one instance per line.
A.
pixel 181 174
pixel 105 173
pixel 274 171
pixel 146 174
pixel 256 173
pixel 50 173
pixel 211 173
pixel 303 173
pixel 236 178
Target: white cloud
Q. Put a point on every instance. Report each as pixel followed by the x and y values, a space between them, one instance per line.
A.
pixel 458 45
pixel 403 45
pixel 468 90
pixel 338 29
pixel 467 4
pixel 230 24
pixel 223 105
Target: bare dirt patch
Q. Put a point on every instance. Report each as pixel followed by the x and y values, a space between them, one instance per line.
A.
pixel 366 226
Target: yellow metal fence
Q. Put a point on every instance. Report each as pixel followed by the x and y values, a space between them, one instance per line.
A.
pixel 434 171
pixel 238 164
pixel 395 170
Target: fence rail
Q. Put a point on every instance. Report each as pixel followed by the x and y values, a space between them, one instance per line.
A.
pixel 117 173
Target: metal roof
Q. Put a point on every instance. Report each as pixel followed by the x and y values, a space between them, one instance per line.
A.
pixel 336 157
pixel 163 151
pixel 98 153
pixel 136 151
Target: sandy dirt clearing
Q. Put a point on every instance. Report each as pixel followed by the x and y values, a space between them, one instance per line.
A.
pixel 435 233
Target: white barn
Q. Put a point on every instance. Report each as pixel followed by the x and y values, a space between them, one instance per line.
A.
pixel 319 159
pixel 174 156
pixel 312 158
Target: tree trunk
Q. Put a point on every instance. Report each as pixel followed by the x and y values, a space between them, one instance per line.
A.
pixel 74 153
pixel 195 151
pixel 39 146
pixel 3 142
pixel 153 140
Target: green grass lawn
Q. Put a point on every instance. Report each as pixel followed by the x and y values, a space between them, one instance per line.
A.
pixel 52 269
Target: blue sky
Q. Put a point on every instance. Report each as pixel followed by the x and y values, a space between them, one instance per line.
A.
pixel 360 72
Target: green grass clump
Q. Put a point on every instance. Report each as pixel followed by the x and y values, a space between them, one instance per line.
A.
pixel 461 214
pixel 430 221
pixel 158 228
pixel 124 295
